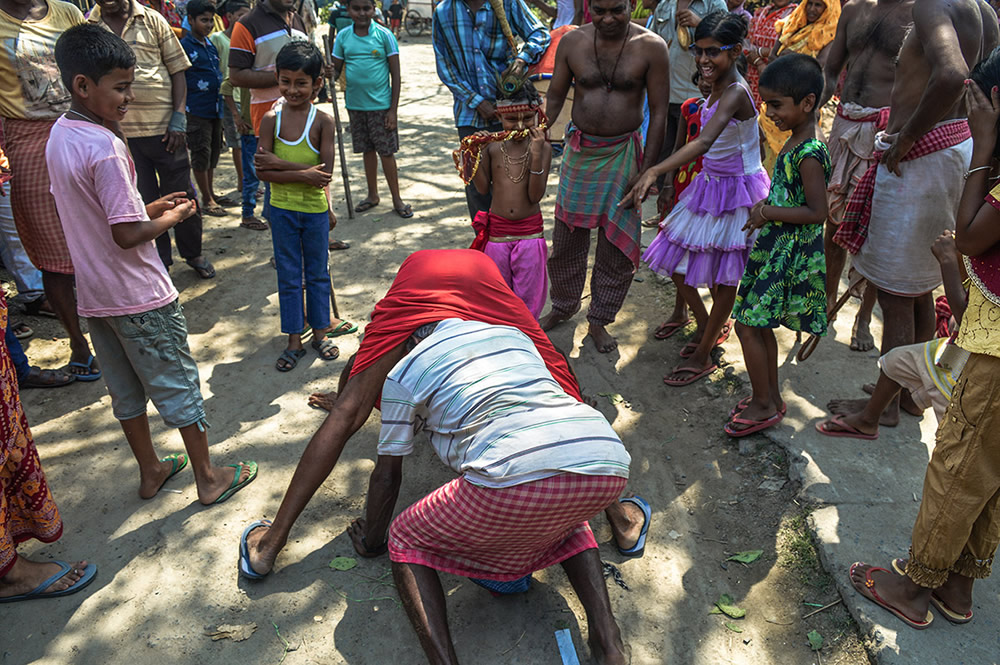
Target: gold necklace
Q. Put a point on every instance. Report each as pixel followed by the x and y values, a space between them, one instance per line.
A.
pixel 521 159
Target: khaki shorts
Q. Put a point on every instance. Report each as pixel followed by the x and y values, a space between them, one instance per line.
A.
pixel 146 356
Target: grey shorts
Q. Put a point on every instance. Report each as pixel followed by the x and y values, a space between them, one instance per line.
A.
pixel 146 356
pixel 368 133
pixel 229 132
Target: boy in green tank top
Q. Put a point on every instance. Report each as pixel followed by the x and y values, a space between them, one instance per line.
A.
pixel 295 154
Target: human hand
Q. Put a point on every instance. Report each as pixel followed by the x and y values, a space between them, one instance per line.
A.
pixel 390 120
pixel 486 110
pixel 175 141
pixel 688 18
pixel 328 70
pixel 944 248
pixel 332 218
pixel 757 218
pixel 357 531
pixel 315 176
pixel 242 126
pixel 156 208
pixel 183 208
pixel 265 161
pixel 537 140
pixel 894 155
pixel 665 200
pixel 984 113
pixel 637 193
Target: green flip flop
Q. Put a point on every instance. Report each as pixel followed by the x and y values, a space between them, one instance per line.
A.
pixel 237 485
pixel 179 462
pixel 345 328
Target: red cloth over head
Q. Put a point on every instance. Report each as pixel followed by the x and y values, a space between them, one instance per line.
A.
pixel 437 284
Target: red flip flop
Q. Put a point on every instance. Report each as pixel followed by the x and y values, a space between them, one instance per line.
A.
pixel 694 376
pixel 941 606
pixel 881 602
pixel 669 329
pixel 754 425
pixel 690 347
pixel 745 402
pixel 847 432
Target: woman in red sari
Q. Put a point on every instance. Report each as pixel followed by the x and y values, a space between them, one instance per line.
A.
pixel 26 506
pixel 761 40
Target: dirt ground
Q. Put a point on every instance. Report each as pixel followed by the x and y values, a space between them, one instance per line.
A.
pixel 168 573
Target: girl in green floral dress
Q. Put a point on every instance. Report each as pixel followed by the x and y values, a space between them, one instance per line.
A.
pixel 784 282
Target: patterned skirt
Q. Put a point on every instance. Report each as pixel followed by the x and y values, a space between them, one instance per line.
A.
pixel 502 534
pixel 26 506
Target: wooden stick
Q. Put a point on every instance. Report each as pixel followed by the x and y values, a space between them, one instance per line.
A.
pixel 825 607
pixel 340 134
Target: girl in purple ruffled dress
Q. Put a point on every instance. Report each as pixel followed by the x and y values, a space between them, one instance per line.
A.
pixel 701 241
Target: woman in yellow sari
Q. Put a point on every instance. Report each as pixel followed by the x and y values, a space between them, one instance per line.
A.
pixel 808 30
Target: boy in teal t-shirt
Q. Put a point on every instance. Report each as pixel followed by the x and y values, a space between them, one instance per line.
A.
pixel 371 56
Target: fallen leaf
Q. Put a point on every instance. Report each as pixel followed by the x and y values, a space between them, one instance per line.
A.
pixel 725 605
pixel 235 633
pixel 343 563
pixel 614 398
pixel 746 557
pixel 733 627
pixel 815 640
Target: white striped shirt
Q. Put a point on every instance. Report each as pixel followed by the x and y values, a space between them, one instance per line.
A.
pixel 493 411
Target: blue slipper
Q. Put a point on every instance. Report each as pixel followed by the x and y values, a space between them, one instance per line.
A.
pixel 89 573
pixel 89 366
pixel 245 569
pixel 636 550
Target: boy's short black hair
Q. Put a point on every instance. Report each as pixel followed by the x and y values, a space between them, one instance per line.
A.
pixel 300 55
pixel 233 6
pixel 91 50
pixel 986 74
pixel 348 2
pixel 525 94
pixel 794 75
pixel 198 7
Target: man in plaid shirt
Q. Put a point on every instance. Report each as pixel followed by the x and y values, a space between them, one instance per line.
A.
pixel 471 53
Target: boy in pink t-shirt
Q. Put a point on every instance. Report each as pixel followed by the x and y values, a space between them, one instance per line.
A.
pixel 135 320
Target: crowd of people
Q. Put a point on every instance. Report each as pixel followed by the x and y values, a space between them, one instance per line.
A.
pixel 716 112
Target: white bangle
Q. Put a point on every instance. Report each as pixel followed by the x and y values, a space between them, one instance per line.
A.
pixel 542 172
pixel 971 171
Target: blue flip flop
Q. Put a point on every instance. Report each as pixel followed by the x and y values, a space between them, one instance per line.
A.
pixel 89 366
pixel 89 573
pixel 636 550
pixel 245 569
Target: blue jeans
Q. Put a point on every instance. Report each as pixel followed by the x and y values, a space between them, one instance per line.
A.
pixel 17 354
pixel 248 148
pixel 300 256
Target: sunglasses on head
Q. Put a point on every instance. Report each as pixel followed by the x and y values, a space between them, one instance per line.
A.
pixel 711 51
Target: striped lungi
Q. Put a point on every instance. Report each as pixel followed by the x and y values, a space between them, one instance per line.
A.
pixel 33 204
pixel 502 534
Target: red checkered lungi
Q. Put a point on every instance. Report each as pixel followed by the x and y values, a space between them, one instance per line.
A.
pixel 502 534
pixel 33 204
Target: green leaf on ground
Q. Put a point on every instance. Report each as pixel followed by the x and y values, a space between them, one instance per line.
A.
pixel 733 627
pixel 715 610
pixel 614 398
pixel 746 557
pixel 815 640
pixel 725 605
pixel 343 563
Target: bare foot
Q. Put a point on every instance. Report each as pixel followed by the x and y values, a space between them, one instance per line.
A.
pixel 615 654
pixel 150 485
pixel 852 407
pixel 603 340
pixel 323 401
pixel 221 479
pixel 861 336
pixel 894 590
pixel 261 557
pixel 25 576
pixel 552 319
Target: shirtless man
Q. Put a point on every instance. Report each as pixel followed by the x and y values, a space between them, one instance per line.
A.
pixel 917 184
pixel 868 38
pixel 614 64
